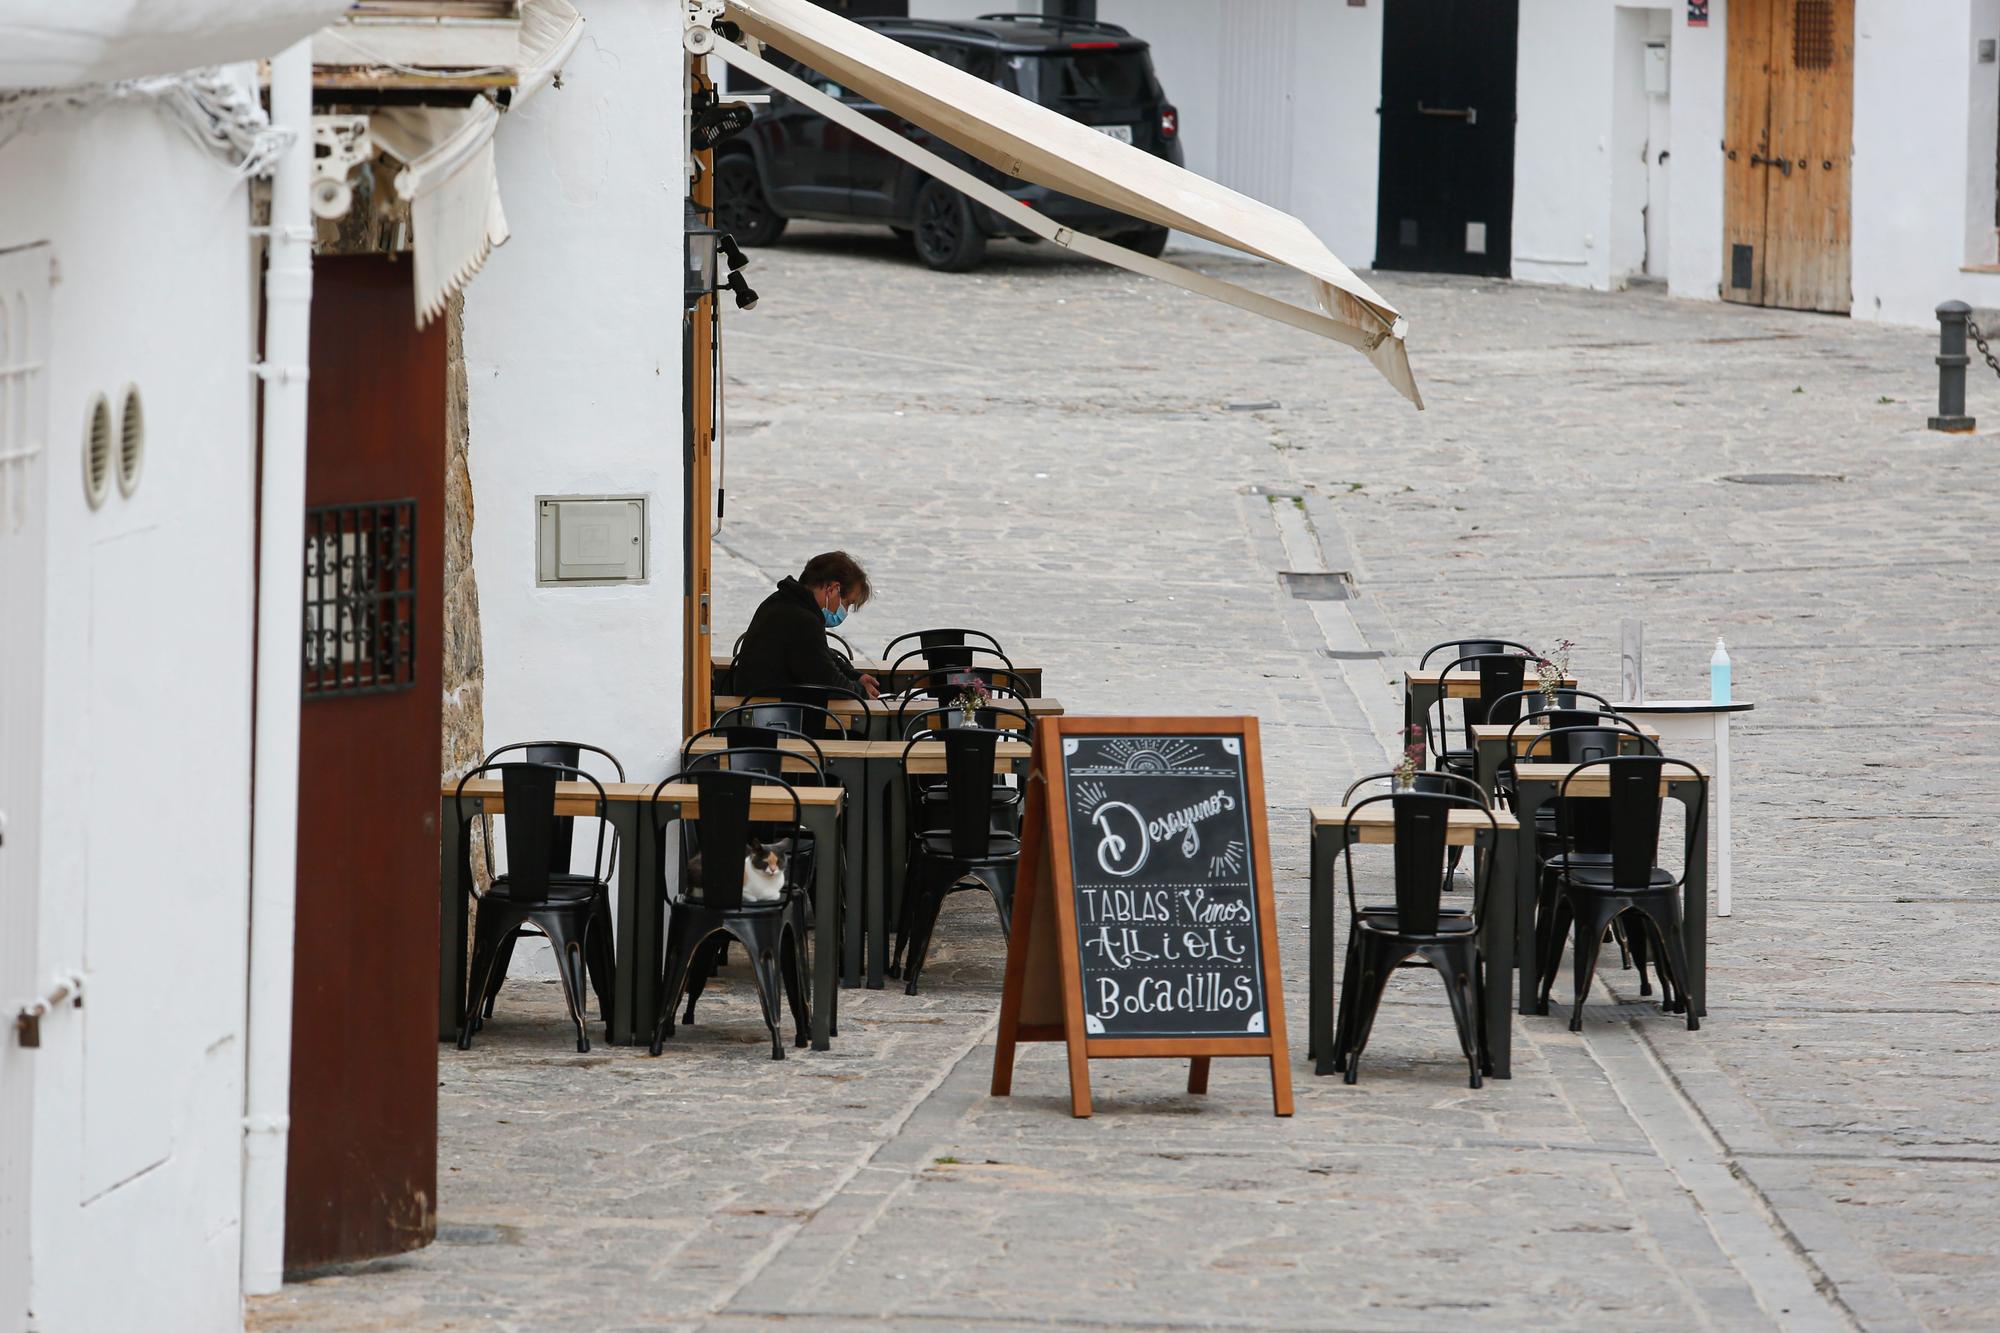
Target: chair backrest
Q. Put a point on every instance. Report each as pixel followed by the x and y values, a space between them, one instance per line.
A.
pixel 839 644
pixel 1579 736
pixel 759 750
pixel 1423 821
pixel 725 826
pixel 1532 702
pixel 1002 714
pixel 947 683
pixel 565 754
pixel 941 638
pixel 1472 648
pixel 1426 780
pixel 1500 674
pixel 819 696
pixel 808 720
pixel 529 793
pixel 1632 813
pixel 968 770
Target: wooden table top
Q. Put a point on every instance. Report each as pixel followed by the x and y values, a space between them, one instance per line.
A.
pixel 580 798
pixel 1037 708
pixel 1431 677
pixel 1595 781
pixel 876 666
pixel 924 757
pixel 1526 735
pixel 1377 824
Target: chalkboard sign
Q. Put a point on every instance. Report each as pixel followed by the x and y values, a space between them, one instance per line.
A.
pixel 1166 895
pixel 1143 923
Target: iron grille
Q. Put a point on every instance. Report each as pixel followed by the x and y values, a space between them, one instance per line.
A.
pixel 1812 34
pixel 361 599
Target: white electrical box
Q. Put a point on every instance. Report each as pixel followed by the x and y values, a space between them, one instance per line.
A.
pixel 582 540
pixel 1656 69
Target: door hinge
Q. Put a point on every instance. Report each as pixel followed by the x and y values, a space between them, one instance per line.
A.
pixel 28 1022
pixel 703 624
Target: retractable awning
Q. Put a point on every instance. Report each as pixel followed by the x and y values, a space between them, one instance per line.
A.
pixel 448 176
pixel 1033 143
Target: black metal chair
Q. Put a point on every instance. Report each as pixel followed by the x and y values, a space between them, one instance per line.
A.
pixel 1575 736
pixel 568 754
pixel 1500 676
pixel 1593 894
pixel 1379 941
pixel 966 853
pixel 1002 712
pixel 573 911
pixel 932 797
pixel 711 903
pixel 945 671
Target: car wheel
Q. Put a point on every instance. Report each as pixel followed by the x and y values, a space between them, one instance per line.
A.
pixel 947 236
pixel 741 209
pixel 1152 242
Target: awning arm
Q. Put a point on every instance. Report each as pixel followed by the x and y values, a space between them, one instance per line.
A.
pixel 1385 352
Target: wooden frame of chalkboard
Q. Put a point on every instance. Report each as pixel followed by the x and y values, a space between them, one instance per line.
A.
pixel 1120 963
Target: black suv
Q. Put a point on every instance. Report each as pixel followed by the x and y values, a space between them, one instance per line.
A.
pixel 794 163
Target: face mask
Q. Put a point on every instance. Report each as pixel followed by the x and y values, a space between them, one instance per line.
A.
pixel 833 618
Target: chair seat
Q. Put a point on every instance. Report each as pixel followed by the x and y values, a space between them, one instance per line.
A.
pixel 999 846
pixel 1389 923
pixel 1454 761
pixel 1379 910
pixel 1596 876
pixel 564 890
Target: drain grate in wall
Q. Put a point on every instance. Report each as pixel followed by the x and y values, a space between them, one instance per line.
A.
pixel 1784 478
pixel 1330 586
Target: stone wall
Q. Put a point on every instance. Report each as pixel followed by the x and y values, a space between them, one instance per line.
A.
pixel 464 732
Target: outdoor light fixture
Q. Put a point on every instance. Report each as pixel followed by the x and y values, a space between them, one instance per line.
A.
pixel 746 296
pixel 715 121
pixel 732 251
pixel 701 243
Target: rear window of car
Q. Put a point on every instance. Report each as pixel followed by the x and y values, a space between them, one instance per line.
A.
pixel 1080 78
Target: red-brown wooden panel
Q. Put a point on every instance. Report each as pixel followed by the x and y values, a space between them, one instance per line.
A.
pixel 362 1177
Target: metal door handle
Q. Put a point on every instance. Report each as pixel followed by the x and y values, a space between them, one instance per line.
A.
pixel 1783 164
pixel 1468 114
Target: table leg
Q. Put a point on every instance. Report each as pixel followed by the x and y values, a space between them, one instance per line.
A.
pixel 826 940
pixel 1498 929
pixel 853 779
pixel 454 911
pixel 1722 904
pixel 1319 954
pixel 1528 798
pixel 1486 764
pixel 897 854
pixel 877 884
pixel 636 932
pixel 1694 897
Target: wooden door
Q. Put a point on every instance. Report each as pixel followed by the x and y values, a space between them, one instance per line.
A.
pixel 1446 196
pixel 1788 154
pixel 362 1174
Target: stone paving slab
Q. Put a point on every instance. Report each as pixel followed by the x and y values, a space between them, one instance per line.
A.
pixel 1075 459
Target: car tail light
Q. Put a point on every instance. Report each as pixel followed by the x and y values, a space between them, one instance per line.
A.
pixel 1093 46
pixel 1170 122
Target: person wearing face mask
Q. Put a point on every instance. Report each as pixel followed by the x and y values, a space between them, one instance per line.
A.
pixel 786 642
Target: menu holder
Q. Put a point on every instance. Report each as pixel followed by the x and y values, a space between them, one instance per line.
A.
pixel 1143 923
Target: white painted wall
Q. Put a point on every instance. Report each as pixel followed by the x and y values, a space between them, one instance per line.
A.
pixel 1917 178
pixel 1698 62
pixel 573 361
pixel 136 1126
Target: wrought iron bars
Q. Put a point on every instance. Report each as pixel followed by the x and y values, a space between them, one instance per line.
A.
pixel 360 631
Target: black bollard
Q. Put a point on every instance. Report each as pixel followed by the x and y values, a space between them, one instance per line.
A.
pixel 1952 360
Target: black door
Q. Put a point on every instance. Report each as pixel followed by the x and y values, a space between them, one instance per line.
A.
pixel 1447 187
pixel 805 154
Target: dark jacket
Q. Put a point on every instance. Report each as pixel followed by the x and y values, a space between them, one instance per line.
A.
pixel 786 645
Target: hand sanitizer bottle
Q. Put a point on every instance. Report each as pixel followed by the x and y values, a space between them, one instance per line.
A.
pixel 1718 675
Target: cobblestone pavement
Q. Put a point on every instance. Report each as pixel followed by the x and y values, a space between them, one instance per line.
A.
pixel 1101 470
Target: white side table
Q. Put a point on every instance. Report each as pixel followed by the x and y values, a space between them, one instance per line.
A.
pixel 1699 720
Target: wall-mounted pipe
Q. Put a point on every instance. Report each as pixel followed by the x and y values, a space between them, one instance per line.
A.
pixel 267 1085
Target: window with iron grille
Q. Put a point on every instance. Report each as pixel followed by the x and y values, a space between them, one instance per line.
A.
pixel 361 600
pixel 1812 34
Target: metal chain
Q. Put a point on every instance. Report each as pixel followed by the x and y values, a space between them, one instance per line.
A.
pixel 1972 327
